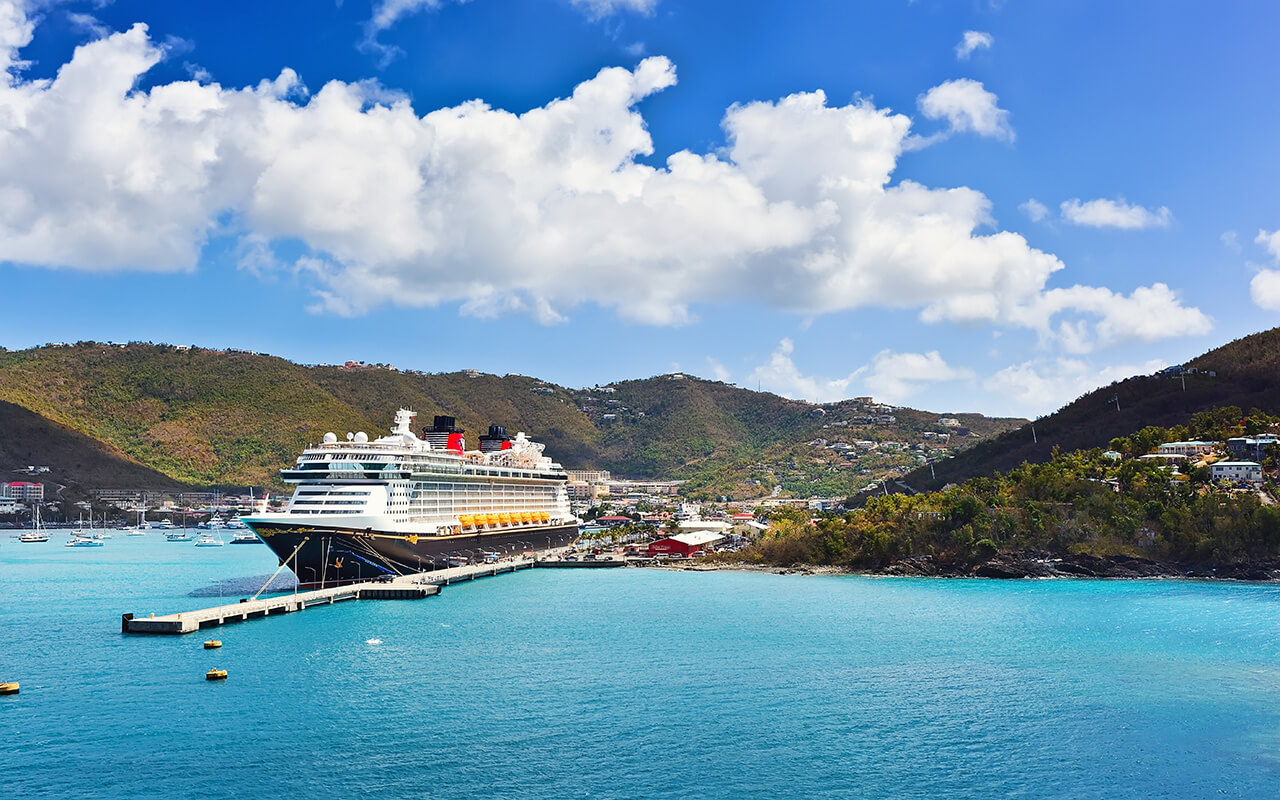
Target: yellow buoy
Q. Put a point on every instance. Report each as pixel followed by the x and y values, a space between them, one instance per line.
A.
pixel 216 675
pixel 212 644
pixel 9 688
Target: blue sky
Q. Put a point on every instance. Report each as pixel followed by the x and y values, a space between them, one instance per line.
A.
pixel 960 205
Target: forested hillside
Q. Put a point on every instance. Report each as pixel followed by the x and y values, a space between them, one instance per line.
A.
pixel 212 417
pixel 1245 373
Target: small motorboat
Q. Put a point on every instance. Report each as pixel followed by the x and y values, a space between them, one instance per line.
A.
pixel 208 540
pixel 83 541
pixel 9 688
pixel 248 537
pixel 212 644
pixel 216 675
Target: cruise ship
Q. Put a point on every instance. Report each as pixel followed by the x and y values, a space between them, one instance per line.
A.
pixel 402 504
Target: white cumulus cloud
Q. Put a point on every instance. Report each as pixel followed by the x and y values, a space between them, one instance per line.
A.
pixel 1269 241
pixel 892 377
pixel 387 12
pixel 503 213
pixel 1148 314
pixel 1105 213
pixel 973 40
pixel 966 105
pixel 718 370
pixel 1038 387
pixel 1034 209
pixel 780 375
pixel 1264 289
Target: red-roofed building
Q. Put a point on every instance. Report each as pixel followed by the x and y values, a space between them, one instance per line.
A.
pixel 609 522
pixel 684 544
pixel 23 491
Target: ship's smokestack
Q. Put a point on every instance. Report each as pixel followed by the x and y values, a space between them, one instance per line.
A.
pixel 496 439
pixel 444 434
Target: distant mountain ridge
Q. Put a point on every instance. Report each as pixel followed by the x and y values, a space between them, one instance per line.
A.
pixel 1245 373
pixel 211 417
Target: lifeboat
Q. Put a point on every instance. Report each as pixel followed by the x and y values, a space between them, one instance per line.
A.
pixel 504 518
pixel 465 520
pixel 216 675
pixel 526 516
pixel 492 518
pixel 9 688
pixel 543 516
pixel 212 644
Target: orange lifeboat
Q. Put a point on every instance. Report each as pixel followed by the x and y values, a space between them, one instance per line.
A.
pixel 492 519
pixel 504 518
pixel 543 516
pixel 526 516
pixel 465 520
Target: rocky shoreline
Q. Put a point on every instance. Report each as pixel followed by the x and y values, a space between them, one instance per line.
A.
pixel 1035 564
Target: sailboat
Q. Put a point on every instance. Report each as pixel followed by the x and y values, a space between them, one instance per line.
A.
pixel 102 534
pixel 137 530
pixel 179 536
pixel 37 533
pixel 208 540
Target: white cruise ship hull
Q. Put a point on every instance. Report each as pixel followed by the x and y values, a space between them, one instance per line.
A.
pixel 323 555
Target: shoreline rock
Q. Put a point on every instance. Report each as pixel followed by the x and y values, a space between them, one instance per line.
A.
pixel 1035 564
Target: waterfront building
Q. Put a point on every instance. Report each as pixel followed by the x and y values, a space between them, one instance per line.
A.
pixel 685 544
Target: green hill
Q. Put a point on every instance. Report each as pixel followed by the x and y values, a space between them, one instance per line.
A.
pixel 28 439
pixel 211 417
pixel 1244 373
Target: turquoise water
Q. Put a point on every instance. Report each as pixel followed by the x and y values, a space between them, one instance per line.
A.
pixel 635 684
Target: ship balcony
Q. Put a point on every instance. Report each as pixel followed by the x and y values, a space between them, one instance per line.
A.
pixel 296 475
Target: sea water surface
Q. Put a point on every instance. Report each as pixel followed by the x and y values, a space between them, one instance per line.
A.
pixel 635 683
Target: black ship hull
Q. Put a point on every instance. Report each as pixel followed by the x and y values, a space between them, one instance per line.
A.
pixel 324 556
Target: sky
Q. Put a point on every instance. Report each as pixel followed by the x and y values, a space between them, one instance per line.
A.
pixel 957 205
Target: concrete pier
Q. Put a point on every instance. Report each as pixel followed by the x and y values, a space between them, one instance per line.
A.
pixel 405 587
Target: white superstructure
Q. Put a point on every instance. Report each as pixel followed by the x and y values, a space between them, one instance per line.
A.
pixel 405 485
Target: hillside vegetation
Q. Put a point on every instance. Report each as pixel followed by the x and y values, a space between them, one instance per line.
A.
pixel 1078 504
pixel 1247 375
pixel 209 417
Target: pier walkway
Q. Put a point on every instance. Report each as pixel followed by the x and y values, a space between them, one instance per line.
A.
pixel 404 587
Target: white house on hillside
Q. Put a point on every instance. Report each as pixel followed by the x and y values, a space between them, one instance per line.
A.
pixel 1246 471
